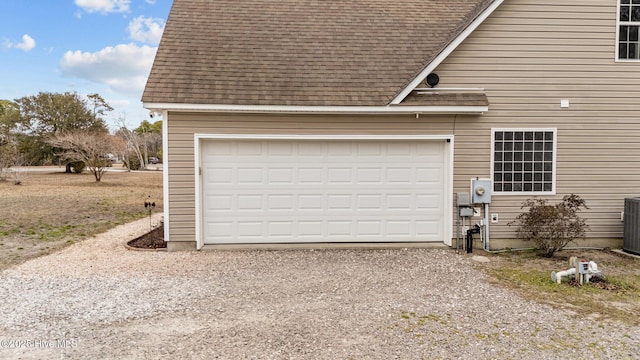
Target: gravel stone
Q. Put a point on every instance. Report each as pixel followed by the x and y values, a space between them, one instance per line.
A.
pixel 96 299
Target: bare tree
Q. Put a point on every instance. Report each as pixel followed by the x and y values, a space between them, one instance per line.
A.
pixel 88 147
pixel 18 171
pixel 134 144
pixel 8 123
pixel 151 136
pixel 7 155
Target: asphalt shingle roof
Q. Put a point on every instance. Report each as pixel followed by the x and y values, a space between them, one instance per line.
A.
pixel 300 52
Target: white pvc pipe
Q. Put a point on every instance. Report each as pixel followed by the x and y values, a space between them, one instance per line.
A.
pixel 557 276
pixel 487 246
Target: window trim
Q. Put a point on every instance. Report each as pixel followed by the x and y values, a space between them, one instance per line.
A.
pixel 553 174
pixel 617 45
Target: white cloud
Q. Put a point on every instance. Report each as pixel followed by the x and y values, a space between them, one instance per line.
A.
pixel 146 30
pixel 152 2
pixel 104 6
pixel 27 44
pixel 124 68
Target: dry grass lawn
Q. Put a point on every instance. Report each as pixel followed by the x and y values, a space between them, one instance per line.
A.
pixel 50 210
pixel 530 275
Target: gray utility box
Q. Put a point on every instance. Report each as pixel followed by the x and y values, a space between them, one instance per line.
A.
pixel 480 191
pixel 631 243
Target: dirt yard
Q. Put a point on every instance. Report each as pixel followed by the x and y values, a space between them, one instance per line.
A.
pixel 51 209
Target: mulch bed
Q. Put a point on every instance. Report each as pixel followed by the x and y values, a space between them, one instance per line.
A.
pixel 150 240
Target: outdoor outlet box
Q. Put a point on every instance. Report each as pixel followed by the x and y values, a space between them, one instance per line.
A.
pixel 583 267
pixel 466 211
pixel 494 218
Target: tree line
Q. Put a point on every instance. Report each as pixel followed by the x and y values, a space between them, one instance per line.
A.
pixel 69 129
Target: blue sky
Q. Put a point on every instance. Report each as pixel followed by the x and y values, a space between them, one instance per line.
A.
pixel 84 46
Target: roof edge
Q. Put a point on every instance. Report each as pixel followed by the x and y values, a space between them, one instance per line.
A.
pixel 446 52
pixel 160 107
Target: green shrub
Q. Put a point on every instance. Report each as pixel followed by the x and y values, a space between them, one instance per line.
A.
pixel 78 167
pixel 551 227
pixel 132 162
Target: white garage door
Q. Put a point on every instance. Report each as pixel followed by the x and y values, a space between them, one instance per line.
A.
pixel 305 191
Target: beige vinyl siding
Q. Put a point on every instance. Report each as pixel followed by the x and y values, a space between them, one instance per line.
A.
pixel 528 55
pixel 183 126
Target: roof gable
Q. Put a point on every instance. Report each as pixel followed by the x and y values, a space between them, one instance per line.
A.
pixel 306 53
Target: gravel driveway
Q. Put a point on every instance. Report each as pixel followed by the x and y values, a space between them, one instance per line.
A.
pixel 98 300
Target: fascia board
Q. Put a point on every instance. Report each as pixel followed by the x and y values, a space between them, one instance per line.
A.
pixel 159 107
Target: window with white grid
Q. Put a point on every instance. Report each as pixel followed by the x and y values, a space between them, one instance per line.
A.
pixel 628 30
pixel 523 161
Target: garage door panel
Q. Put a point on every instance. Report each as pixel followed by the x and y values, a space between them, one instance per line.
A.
pixel 220 230
pixel 279 231
pixel 339 202
pixel 280 148
pixel 280 176
pixel 339 175
pixel 340 150
pixel 276 191
pixel 401 150
pixel 369 175
pixel 310 228
pixel 280 203
pixel 219 203
pixel 399 175
pixel 368 202
pixel 427 228
pixel 250 149
pixel 311 149
pixel 369 228
pixel 399 202
pixel 220 175
pixel 310 202
pixel 249 229
pixel 399 228
pixel 250 176
pixel 221 149
pixel 369 149
pixel 428 201
pixel 428 175
pixel 249 202
pixel 311 175
pixel 326 202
